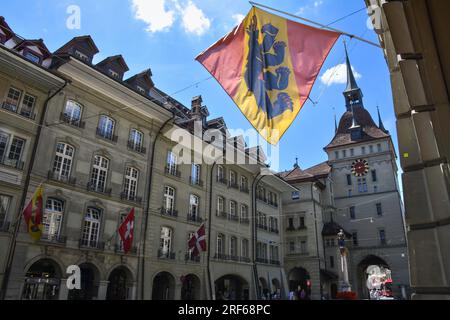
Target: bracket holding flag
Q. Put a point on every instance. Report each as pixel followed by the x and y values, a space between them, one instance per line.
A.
pixel 268 66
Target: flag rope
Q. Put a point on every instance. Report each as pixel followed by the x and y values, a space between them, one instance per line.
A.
pixel 353 36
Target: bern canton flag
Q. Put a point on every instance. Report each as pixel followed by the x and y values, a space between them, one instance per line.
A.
pixel 268 66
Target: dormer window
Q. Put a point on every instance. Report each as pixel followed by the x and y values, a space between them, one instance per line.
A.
pixel 32 57
pixel 141 90
pixel 113 74
pixel 81 56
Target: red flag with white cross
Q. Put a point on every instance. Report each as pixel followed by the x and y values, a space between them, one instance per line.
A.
pixel 126 231
pixel 198 241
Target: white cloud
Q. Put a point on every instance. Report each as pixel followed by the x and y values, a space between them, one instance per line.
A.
pixel 237 18
pixel 194 20
pixel 337 75
pixel 318 3
pixel 312 6
pixel 154 13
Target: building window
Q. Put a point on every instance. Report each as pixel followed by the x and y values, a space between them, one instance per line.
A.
pixel 5 201
pixel 113 74
pixel 220 174
pixel 362 185
pixel 52 219
pixel 244 248
pixel 352 213
pixel 131 183
pixel 3 145
pixel 165 241
pixel 303 247
pixel 72 113
pixel 28 104
pixel 172 163
pixel 382 234
pixel 220 205
pixel 344 153
pixel 291 224
pixel 355 238
pixel 379 147
pixel 371 149
pixel 352 152
pixel 244 213
pixel 81 56
pixel 12 100
pixel 349 180
pixel 233 247
pixel 336 154
pixel 136 140
pixel 233 208
pixel 16 149
pixel 233 180
pixel 220 248
pixel 99 174
pixel 302 223
pixel 292 246
pixel 91 228
pixel 141 90
pixel 194 203
pixel 32 57
pixel 375 189
pixel 11 154
pixel 195 174
pixel 363 150
pixel 331 262
pixel 169 199
pixel 379 209
pixel 62 166
pixel 106 127
pixel 296 195
pixel 374 175
pixel 244 184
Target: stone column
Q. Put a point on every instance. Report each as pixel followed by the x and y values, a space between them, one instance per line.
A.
pixel 102 288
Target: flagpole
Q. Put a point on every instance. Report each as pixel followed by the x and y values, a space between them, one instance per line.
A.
pixel 317 24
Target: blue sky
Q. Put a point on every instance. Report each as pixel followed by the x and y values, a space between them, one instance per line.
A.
pixel 166 35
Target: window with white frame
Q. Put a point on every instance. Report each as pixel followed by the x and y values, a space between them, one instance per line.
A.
pixel 233 179
pixel 169 199
pixel 220 244
pixel 16 149
pixel 32 57
pixel 131 183
pixel 13 99
pixel 62 165
pixel 220 173
pixel 99 174
pixel 5 202
pixel 72 113
pixel 220 205
pixel 244 248
pixel 233 247
pixel 195 174
pixel 233 208
pixel 244 183
pixel 136 140
pixel 194 203
pixel 113 74
pixel 172 163
pixel 106 126
pixel 165 244
pixel 244 212
pixel 11 149
pixel 81 56
pixel 141 90
pixel 91 227
pixel 362 185
pixel 52 219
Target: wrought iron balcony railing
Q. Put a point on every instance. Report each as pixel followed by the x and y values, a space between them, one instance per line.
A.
pixel 71 121
pixel 56 176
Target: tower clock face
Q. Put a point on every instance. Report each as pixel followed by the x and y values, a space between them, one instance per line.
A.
pixel 360 168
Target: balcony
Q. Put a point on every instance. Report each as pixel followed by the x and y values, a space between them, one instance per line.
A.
pixel 15 164
pixel 195 182
pixel 233 185
pixel 131 198
pixel 4 226
pixel 194 218
pixel 291 229
pixel 54 239
pixel 77 123
pixel 133 146
pixel 221 214
pixel 222 180
pixel 189 257
pixel 166 255
pixel 172 172
pixel 119 250
pixel 262 260
pixel 98 189
pixel 169 212
pixel 11 107
pixel 106 135
pixel 233 217
pixel 221 256
pixel 90 244
pixel 55 176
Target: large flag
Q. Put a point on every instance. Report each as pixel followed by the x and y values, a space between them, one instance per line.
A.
pixel 268 66
pixel 126 231
pixel 33 213
pixel 198 241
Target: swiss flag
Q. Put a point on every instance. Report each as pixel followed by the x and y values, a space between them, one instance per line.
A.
pixel 126 231
pixel 198 241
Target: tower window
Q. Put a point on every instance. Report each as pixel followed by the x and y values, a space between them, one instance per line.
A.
pixel 379 147
pixel 344 153
pixel 352 213
pixel 349 180
pixel 363 150
pixel 336 153
pixel 352 152
pixel 374 176
pixel 371 149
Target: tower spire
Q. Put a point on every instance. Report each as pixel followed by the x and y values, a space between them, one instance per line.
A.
pixel 353 94
pixel 380 122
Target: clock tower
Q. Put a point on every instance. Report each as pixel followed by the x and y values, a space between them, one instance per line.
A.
pixel 366 195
